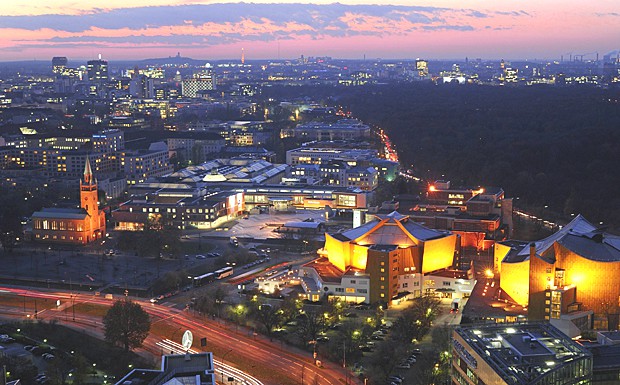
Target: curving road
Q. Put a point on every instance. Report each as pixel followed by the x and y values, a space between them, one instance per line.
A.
pixel 277 364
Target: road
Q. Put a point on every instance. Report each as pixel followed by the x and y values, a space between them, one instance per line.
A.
pixel 278 364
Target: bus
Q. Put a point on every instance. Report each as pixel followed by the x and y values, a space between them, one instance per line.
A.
pixel 223 272
pixel 203 279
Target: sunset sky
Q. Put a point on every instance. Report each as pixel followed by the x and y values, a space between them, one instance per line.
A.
pixel 441 29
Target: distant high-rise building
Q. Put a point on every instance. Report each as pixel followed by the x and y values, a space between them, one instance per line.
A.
pixel 202 81
pixel 422 68
pixel 142 87
pixel 511 75
pixel 59 63
pixel 98 70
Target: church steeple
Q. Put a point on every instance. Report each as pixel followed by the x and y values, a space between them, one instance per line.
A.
pixel 88 174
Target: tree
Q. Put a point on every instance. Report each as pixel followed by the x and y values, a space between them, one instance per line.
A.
pixel 383 361
pixel 19 368
pixel 58 370
pixel 310 324
pixel 126 324
pixel 415 321
pixel 10 227
pixel 268 316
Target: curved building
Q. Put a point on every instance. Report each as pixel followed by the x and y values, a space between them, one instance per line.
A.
pixel 370 262
pixel 576 269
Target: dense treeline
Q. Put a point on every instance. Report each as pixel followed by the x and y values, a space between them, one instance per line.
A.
pixel 550 146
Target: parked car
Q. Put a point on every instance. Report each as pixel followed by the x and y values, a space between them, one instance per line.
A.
pixel 5 338
pixel 376 337
pixel 200 256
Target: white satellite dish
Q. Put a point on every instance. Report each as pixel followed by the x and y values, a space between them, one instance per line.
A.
pixel 187 340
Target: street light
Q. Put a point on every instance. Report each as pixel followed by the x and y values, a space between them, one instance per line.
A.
pixel 223 357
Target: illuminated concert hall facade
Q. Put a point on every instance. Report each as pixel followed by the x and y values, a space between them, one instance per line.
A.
pixel 378 260
pixel 572 274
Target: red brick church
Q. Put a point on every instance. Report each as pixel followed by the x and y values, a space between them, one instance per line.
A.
pixel 74 226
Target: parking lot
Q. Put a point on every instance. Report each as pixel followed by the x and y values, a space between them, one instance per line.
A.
pixel 262 226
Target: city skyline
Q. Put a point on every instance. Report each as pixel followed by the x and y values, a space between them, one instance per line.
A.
pixel 286 29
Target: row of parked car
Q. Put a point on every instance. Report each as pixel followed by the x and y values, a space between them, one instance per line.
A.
pixel 209 255
pixel 410 360
pixel 257 262
pixel 37 350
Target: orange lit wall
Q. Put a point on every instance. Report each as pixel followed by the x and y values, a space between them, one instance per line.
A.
pixel 438 253
pixel 597 282
pixel 514 280
pixel 541 278
pixel 337 252
pixel 499 252
pixel 359 255
pixel 345 254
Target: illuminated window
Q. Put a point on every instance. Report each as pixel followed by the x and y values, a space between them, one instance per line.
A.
pixel 350 290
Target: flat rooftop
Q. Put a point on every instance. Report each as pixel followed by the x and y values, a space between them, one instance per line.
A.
pixel 523 353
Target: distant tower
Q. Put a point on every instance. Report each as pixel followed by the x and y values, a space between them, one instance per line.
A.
pixel 59 63
pixel 88 192
pixel 97 70
pixel 242 56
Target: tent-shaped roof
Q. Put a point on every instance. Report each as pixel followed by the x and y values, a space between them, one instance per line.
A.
pixel 392 229
pixel 579 236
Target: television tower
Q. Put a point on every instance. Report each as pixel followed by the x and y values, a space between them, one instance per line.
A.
pixel 242 56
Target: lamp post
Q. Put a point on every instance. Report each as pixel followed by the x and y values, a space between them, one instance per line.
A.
pixel 223 357
pixel 303 367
